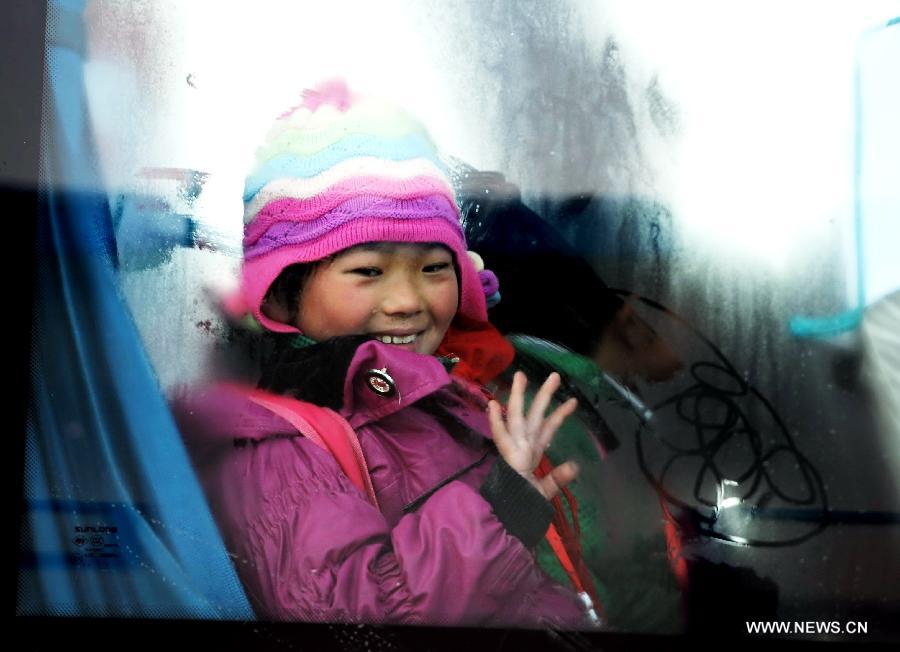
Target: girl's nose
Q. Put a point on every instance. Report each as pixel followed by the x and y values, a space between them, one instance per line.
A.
pixel 402 296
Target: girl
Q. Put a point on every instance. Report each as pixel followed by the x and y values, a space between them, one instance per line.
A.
pixel 361 481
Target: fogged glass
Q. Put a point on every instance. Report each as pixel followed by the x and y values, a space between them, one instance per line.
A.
pixel 724 173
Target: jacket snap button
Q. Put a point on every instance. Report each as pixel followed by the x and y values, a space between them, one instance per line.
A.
pixel 380 382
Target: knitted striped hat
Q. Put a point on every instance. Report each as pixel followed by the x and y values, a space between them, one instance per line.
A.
pixel 338 171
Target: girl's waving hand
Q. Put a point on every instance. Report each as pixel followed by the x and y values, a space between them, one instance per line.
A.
pixel 522 439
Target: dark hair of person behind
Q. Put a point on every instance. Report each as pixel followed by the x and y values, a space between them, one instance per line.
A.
pixel 548 290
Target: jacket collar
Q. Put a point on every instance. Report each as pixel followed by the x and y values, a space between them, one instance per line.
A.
pixel 359 377
pixel 382 379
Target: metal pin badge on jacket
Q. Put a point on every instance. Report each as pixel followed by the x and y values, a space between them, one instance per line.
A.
pixel 380 382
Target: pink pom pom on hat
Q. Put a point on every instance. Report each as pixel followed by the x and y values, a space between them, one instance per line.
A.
pixel 338 171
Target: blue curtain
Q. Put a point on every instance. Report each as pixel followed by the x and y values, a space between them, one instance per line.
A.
pixel 116 523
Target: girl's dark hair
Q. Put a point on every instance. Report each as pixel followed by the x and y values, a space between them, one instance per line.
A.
pixel 285 289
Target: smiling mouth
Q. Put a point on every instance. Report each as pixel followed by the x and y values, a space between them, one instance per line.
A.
pixel 398 339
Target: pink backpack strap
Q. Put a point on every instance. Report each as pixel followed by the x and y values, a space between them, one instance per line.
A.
pixel 325 428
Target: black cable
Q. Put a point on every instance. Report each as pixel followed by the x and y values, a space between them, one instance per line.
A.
pixel 711 437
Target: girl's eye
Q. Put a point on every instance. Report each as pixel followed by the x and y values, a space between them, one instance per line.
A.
pixel 366 271
pixel 435 267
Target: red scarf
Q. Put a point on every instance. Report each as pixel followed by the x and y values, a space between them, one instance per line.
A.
pixel 482 351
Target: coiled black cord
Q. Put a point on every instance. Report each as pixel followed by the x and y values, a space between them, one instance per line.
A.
pixel 717 384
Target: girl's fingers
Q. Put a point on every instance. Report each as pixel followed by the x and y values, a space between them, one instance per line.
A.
pixel 555 420
pixel 514 407
pixel 518 456
pixel 521 441
pixel 552 483
pixel 498 428
pixel 541 402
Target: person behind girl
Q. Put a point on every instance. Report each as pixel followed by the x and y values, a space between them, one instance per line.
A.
pixel 355 259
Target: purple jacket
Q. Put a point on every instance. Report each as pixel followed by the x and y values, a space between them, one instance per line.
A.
pixel 451 543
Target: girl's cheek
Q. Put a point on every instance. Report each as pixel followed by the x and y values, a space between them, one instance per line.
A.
pixel 363 300
pixel 449 299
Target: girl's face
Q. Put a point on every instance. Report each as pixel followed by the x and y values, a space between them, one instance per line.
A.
pixel 403 294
